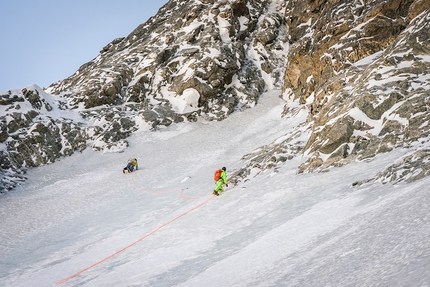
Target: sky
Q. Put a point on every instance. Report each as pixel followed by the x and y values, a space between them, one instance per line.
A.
pixel 82 222
pixel 43 42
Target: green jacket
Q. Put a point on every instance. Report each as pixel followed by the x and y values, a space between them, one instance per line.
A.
pixel 223 177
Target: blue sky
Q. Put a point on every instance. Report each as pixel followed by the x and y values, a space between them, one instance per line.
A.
pixel 44 41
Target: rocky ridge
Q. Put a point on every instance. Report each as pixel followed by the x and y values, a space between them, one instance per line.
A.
pixel 35 129
pixel 358 69
pixel 193 57
pixel 362 71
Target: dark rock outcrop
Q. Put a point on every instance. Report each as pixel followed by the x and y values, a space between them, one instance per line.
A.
pixel 34 134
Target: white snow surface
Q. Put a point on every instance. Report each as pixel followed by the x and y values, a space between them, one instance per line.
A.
pixel 82 222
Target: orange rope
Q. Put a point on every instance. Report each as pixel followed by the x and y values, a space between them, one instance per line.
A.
pixel 146 236
pixel 134 243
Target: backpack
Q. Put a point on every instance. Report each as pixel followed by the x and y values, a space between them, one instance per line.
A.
pixel 217 174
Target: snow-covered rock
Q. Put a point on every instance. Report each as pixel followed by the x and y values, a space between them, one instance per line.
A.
pixel 36 128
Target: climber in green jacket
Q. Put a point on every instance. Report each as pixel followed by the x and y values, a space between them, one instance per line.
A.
pixel 219 183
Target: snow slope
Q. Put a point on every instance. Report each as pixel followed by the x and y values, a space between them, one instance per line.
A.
pixel 81 222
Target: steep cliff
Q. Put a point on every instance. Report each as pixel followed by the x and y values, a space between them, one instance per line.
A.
pixel 361 71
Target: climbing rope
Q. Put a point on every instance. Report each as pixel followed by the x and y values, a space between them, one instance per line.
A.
pixel 147 235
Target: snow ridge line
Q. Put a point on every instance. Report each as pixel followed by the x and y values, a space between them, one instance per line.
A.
pixel 144 237
pixel 165 191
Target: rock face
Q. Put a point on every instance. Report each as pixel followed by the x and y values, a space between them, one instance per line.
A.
pixel 360 70
pixel 368 87
pixel 34 133
pixel 226 52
